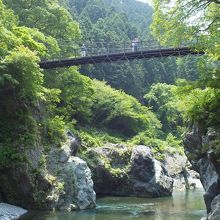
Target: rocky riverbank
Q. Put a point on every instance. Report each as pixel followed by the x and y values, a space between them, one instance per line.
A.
pixel 119 170
pixel 55 179
pixel 10 212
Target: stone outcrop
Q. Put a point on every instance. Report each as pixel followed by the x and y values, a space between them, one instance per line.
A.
pixel 215 207
pixel 75 143
pixel 149 176
pixel 10 212
pixel 120 170
pixel 200 149
pixel 75 185
pixel 56 179
pixel 179 169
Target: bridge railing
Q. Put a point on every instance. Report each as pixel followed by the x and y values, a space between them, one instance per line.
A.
pixel 103 48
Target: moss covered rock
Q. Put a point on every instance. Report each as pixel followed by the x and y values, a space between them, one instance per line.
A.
pixel 129 171
pixel 55 179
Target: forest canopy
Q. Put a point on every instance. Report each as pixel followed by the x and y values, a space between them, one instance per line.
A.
pixel 141 102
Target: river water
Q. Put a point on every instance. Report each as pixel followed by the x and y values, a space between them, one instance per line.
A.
pixel 187 205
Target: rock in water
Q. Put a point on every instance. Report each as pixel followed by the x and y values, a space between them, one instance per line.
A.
pixel 85 195
pixel 75 177
pixel 122 171
pixel 10 212
pixel 149 176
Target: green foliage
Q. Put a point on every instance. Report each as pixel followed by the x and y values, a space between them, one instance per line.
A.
pixel 174 142
pixel 200 105
pixel 89 139
pixel 55 130
pixel 49 18
pixel 22 66
pixel 23 95
pixel 114 23
pixel 121 112
pixel 198 101
pixel 76 93
pixel 158 145
pixel 44 103
pixel 94 137
pixel 163 100
pixel 9 156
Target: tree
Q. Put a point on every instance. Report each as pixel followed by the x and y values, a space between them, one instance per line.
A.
pixel 49 18
pixel 200 100
pixel 163 101
pixel 172 18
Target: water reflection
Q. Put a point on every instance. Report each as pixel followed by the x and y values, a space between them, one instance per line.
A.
pixel 182 206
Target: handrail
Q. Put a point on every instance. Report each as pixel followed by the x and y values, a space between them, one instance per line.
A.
pixel 75 50
pixel 118 56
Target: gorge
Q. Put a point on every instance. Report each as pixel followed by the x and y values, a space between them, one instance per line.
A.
pixel 112 139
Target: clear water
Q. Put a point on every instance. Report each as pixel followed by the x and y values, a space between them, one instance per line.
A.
pixel 181 206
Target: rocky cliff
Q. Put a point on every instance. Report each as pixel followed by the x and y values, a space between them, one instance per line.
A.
pixel 201 147
pixel 47 179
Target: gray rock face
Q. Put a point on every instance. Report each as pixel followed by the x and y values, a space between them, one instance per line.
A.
pixel 207 172
pixel 174 163
pixel 119 170
pixel 75 186
pixel 215 207
pixel 110 169
pixel 56 180
pixel 179 169
pixel 85 195
pixel 205 163
pixel 10 212
pixel 149 176
pixel 75 143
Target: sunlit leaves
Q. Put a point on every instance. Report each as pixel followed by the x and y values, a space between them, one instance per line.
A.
pixel 162 99
pixel 76 95
pixel 198 101
pixel 52 20
pixel 121 112
pixel 22 65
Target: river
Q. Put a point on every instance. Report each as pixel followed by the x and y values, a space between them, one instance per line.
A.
pixel 183 205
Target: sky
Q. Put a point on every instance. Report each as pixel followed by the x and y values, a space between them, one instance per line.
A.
pixel 146 1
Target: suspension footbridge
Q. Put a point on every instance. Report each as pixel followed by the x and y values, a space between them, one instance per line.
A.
pixel 118 52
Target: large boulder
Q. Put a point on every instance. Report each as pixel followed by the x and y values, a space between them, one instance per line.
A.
pixel 174 162
pixel 10 212
pixel 110 168
pixel 121 170
pixel 55 179
pixel 149 176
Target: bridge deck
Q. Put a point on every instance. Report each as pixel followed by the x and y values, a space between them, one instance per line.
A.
pixel 113 57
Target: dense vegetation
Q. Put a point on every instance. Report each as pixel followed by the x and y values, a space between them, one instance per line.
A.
pixel 37 107
pixel 200 100
pixel 109 22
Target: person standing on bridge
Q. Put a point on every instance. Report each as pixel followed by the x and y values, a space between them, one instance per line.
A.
pixel 83 50
pixel 134 45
